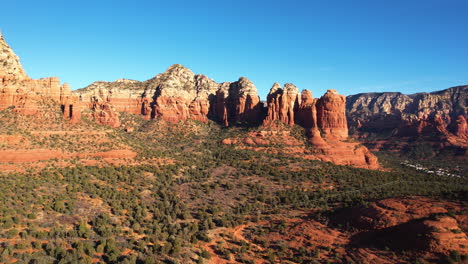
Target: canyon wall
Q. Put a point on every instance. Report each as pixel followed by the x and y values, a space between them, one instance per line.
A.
pixel 282 104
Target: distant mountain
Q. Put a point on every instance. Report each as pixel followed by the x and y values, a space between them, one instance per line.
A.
pixel 439 117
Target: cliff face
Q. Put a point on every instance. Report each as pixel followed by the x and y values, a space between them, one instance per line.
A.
pixel 282 104
pixel 177 95
pixel 19 91
pixel 123 94
pixel 438 116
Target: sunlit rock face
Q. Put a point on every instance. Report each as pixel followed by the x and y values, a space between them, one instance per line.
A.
pixel 19 91
pixel 439 116
pixel 282 104
pixel 331 115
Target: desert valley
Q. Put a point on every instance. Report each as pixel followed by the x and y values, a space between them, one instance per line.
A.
pixel 182 169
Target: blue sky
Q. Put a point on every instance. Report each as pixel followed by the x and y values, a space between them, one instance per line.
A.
pixel 353 46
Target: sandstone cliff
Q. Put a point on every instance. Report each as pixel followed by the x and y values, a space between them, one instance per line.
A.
pixel 283 103
pixel 182 95
pixel 307 117
pixel 237 103
pixel 17 90
pixel 438 116
pixel 331 116
pixel 177 95
pixel 123 94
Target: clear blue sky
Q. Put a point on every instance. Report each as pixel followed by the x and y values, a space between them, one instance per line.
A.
pixel 350 45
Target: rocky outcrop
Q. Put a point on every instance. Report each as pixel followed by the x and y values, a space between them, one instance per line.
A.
pixel 105 114
pixel 331 115
pixel 325 115
pixel 243 103
pixel 408 223
pixel 178 95
pixel 10 65
pixel 175 95
pixel 124 95
pixel 328 135
pixel 182 95
pixel 220 107
pixel 282 104
pixel 438 116
pixel 325 122
pixel 307 117
pixel 237 103
pixel 17 90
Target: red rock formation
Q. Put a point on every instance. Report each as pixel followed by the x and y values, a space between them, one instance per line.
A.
pixel 25 95
pixel 172 109
pixel 461 127
pixel 72 108
pixel 237 103
pixel 307 117
pixel 409 223
pixel 273 103
pixel 331 115
pixel 175 95
pixel 435 118
pixel 182 95
pixel 324 121
pixel 17 90
pixel 247 102
pixel 104 114
pixel 178 95
pixel 220 105
pixel 282 104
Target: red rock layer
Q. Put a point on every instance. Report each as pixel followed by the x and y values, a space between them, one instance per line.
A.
pixel 219 108
pixel 176 109
pixel 25 94
pixel 409 223
pixel 246 102
pixel 104 114
pixel 127 105
pixel 307 117
pixel 325 123
pixel 237 103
